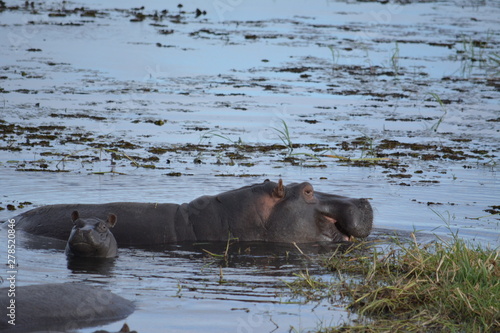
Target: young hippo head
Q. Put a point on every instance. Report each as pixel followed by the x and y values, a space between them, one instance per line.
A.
pixel 302 215
pixel 91 237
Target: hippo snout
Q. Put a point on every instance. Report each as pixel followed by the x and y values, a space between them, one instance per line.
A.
pixel 353 217
pixel 81 235
pixel 357 219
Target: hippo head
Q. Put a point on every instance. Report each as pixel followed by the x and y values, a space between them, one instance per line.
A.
pixel 299 214
pixel 91 237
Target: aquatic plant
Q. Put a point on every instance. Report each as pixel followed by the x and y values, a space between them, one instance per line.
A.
pixel 474 50
pixel 101 150
pixel 284 136
pixel 395 60
pixel 469 55
pixel 494 64
pixel 368 149
pixel 434 127
pixel 225 255
pixel 214 133
pixel 368 153
pixel 335 56
pixel 445 285
pixel 309 286
pixel 474 53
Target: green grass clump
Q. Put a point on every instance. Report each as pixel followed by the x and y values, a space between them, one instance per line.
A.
pixel 442 286
pixel 284 135
pixel 309 287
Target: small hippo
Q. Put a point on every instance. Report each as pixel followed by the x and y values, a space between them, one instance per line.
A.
pixel 59 307
pixel 91 237
pixel 269 212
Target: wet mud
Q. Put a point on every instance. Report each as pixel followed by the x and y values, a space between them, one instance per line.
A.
pixel 394 101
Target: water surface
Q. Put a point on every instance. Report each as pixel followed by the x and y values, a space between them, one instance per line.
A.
pixel 196 101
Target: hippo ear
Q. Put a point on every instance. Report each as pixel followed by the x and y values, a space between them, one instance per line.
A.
pixel 111 220
pixel 125 329
pixel 74 216
pixel 279 191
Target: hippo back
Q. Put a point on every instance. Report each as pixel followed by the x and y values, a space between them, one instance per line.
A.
pixel 62 307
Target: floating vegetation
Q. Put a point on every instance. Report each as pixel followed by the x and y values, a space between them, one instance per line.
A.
pixel 217 134
pixel 101 151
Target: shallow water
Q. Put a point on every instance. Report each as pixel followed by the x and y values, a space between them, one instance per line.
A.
pixel 199 105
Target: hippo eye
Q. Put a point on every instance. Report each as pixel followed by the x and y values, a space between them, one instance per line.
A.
pixel 309 192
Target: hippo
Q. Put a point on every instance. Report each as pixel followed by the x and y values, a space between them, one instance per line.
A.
pixel 61 307
pixel 91 237
pixel 269 212
pixel 124 329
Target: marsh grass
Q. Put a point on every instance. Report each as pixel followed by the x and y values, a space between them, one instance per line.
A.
pixel 395 60
pixel 435 127
pixel 368 148
pixel 308 286
pixel 284 136
pixel 214 133
pixel 494 64
pixel 335 56
pixel 101 151
pixel 238 144
pixel 225 255
pixel 478 53
pixel 368 152
pixel 445 286
pixel 367 156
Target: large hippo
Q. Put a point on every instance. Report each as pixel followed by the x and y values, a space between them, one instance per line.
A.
pixel 268 211
pixel 61 307
pixel 91 237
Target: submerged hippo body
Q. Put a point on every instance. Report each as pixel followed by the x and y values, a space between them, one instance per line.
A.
pixel 268 212
pixel 61 307
pixel 91 237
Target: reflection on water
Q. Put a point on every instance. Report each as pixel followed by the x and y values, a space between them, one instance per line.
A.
pixel 101 266
pixel 329 69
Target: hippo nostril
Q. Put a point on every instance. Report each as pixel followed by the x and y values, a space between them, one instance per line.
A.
pixel 84 232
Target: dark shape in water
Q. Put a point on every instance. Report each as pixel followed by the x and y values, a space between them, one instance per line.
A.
pixel 268 212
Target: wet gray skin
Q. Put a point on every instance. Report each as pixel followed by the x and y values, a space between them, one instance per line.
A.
pixel 336 218
pixel 61 307
pixel 92 237
pixel 268 211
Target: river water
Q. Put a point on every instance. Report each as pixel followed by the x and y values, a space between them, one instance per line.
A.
pixel 394 102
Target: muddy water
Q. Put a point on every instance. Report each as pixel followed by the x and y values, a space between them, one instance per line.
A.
pixel 397 103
